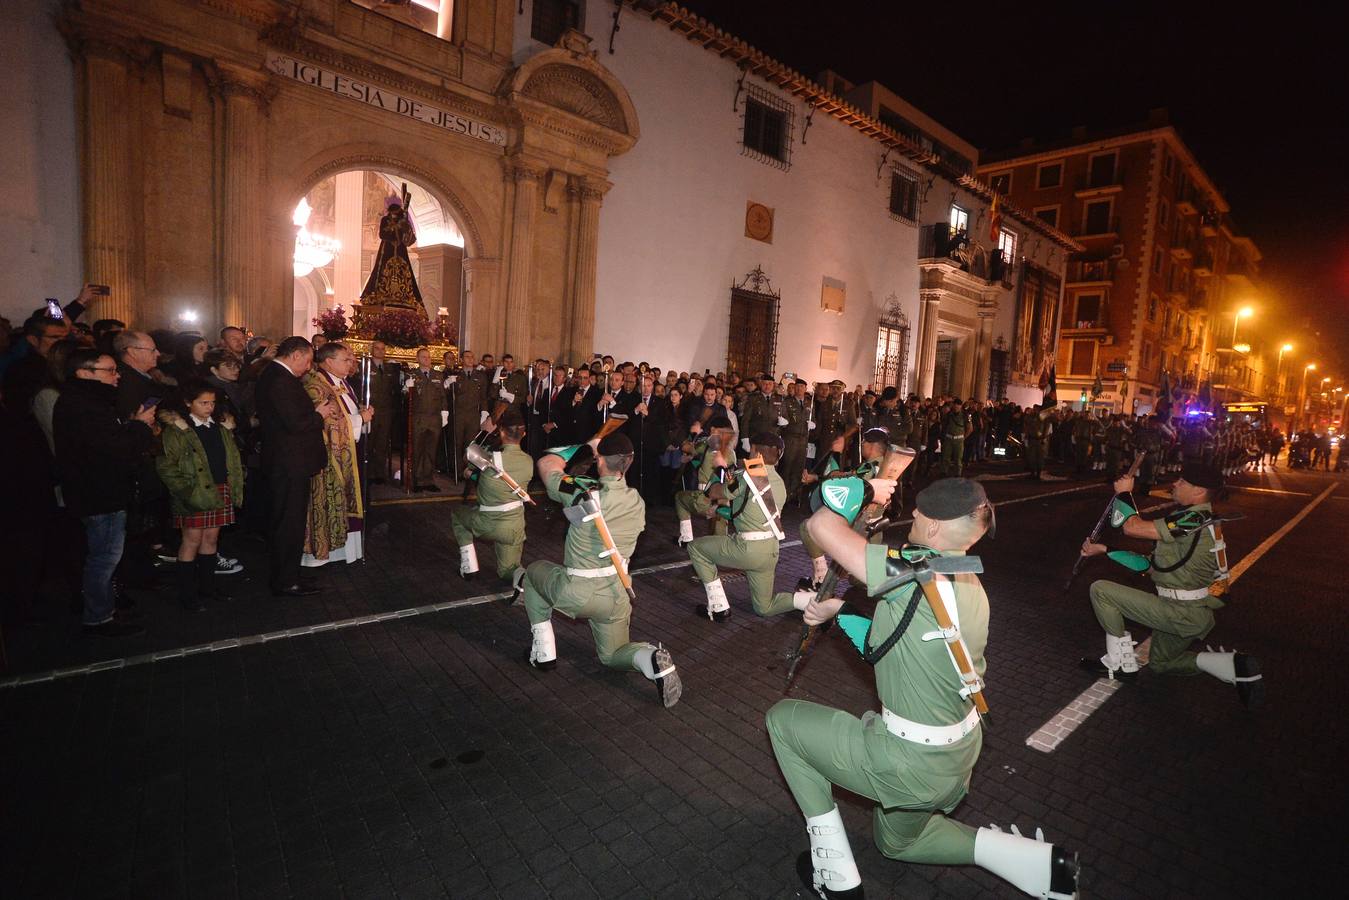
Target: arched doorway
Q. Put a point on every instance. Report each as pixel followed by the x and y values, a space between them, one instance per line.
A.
pixel 337 236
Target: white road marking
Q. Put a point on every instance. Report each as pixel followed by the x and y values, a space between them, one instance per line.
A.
pixel 303 630
pixel 1048 736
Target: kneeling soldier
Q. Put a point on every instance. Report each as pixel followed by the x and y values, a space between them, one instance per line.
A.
pixel 915 758
pixel 874 444
pixel 500 515
pixel 606 517
pixel 718 451
pixel 752 499
pixel 1188 568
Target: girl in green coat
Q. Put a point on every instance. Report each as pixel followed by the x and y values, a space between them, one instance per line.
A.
pixel 202 470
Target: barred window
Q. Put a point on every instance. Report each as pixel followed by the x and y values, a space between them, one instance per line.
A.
pixel 767 134
pixel 903 196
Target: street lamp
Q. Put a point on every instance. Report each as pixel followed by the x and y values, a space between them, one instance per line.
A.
pixel 1244 313
pixel 1278 374
pixel 1301 397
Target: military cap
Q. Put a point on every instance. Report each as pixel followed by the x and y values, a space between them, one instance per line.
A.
pixel 766 439
pixel 1200 475
pixel 951 498
pixel 616 444
pixel 838 382
pixel 510 418
pixel 876 436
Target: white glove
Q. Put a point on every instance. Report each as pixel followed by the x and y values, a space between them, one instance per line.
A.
pixel 482 418
pixel 451 379
pixel 444 417
pixel 781 421
pixel 810 451
pixel 507 396
pixel 409 384
pixel 744 445
pixel 811 426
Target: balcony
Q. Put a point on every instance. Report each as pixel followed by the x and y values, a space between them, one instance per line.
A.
pixel 1189 203
pixel 1087 328
pixel 1090 230
pixel 1203 263
pixel 1088 272
pixel 938 242
pixel 1087 186
pixel 1182 251
pixel 1210 220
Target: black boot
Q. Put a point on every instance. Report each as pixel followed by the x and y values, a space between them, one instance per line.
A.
pixel 189 597
pixel 805 870
pixel 207 587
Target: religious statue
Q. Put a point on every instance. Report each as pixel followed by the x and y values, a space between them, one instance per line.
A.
pixel 391 282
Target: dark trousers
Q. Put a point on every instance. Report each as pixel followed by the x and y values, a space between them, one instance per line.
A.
pixel 290 501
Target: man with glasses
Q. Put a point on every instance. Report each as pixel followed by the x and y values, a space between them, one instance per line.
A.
pixel 137 356
pixel 27 374
pixel 97 454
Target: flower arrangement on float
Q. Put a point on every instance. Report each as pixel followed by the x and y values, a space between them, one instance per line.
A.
pixel 333 323
pixel 399 328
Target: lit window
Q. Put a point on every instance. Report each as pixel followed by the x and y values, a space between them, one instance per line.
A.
pixel 960 219
pixel 1007 244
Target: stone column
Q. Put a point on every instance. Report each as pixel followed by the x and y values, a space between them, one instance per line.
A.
pixel 348 208
pixel 581 334
pixel 479 332
pixel 927 341
pixel 983 350
pixel 243 297
pixel 520 279
pixel 111 181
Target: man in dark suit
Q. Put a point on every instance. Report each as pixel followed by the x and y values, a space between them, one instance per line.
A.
pixel 582 417
pixel 647 430
pixel 292 452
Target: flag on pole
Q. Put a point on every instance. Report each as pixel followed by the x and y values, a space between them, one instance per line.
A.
pixel 1050 385
pixel 995 220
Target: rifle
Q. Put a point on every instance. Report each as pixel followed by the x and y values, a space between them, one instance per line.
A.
pixel 820 470
pixel 407 447
pixel 1095 535
pixel 869 521
pixel 478 457
pixel 478 441
pixel 590 505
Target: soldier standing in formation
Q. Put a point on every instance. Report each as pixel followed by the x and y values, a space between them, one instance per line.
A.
pixel 499 515
pixel 426 391
pixel 1116 445
pixel 1035 432
pixel 915 758
pixel 468 391
pixel 1188 568
pixel 955 427
pixel 795 435
pixel 587 585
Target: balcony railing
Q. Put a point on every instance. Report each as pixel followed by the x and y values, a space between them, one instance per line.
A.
pixel 1209 222
pixel 1091 271
pixel 1203 263
pixel 937 241
pixel 1101 182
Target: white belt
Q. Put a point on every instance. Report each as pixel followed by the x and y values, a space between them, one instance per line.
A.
pixel 505 507
pixel 702 485
pixel 933 735
pixel 592 573
pixel 755 535
pixel 1178 594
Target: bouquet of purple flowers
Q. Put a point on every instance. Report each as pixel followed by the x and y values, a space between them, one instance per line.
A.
pixel 333 323
pixel 400 327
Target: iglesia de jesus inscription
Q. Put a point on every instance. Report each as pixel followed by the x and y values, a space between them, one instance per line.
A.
pixel 384 98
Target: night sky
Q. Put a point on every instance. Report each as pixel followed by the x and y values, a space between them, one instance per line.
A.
pixel 1260 101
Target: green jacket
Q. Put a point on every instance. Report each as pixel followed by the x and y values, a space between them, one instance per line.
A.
pixel 185 471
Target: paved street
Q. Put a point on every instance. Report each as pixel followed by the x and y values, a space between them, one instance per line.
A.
pixel 419 756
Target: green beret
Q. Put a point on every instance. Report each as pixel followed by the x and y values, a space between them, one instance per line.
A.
pixel 951 498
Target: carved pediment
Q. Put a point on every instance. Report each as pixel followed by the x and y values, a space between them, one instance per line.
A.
pixel 576 91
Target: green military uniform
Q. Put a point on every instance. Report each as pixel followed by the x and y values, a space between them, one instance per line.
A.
pixel 1035 432
pixel 753 549
pixel 469 393
pixel 691 503
pixel 913 783
pixel 516 384
pixel 1116 443
pixel 1083 429
pixel 500 515
pixel 760 414
pixel 586 586
pixel 1149 441
pixel 384 398
pixel 795 436
pixel 428 402
pixel 1176 621
pixel 954 425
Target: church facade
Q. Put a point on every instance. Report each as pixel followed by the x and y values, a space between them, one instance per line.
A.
pixel 620 178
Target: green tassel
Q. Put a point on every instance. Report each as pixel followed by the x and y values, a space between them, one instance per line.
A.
pixel 1130 560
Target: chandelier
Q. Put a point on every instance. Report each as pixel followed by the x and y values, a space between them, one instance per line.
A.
pixel 312 251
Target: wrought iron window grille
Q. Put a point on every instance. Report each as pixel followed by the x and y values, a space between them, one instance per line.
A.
pixel 752 339
pixel 766 125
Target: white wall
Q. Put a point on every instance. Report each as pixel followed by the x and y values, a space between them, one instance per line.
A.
pixel 40 252
pixel 672 228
